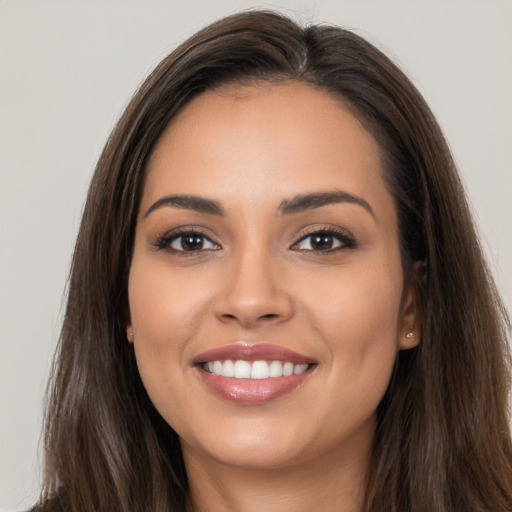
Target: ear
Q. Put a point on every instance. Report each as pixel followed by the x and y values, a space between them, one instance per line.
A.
pixel 129 333
pixel 409 334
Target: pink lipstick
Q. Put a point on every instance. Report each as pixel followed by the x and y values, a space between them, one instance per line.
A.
pixel 253 374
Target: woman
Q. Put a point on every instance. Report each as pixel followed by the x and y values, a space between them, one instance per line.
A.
pixel 277 298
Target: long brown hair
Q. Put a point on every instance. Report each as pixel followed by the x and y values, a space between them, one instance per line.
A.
pixel 442 440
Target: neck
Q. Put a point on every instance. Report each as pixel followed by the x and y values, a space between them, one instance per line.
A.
pixel 334 482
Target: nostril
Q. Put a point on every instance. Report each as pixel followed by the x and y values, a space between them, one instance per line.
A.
pixel 268 317
pixel 249 310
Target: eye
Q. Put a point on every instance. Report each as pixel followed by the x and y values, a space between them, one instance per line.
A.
pixel 324 241
pixel 187 241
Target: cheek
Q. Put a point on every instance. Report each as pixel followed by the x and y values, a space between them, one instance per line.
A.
pixel 358 322
pixel 164 306
pixel 357 313
pixel 362 310
pixel 165 313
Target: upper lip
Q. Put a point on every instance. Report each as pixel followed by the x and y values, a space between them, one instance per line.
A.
pixel 252 352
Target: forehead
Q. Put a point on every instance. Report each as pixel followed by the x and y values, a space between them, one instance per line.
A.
pixel 264 140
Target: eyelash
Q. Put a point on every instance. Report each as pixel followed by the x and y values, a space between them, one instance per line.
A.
pixel 164 242
pixel 346 240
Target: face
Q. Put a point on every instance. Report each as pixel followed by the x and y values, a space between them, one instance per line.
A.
pixel 266 289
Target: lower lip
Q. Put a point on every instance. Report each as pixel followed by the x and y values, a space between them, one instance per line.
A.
pixel 253 391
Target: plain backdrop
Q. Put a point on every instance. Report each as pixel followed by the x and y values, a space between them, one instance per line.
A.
pixel 67 69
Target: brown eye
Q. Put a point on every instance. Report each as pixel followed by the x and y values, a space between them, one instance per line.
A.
pixel 324 241
pixel 190 241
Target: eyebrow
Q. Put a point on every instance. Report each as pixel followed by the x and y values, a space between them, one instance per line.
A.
pixel 291 206
pixel 186 202
pixel 304 202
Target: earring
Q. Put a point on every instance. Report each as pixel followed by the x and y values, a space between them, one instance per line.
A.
pixel 129 333
pixel 410 334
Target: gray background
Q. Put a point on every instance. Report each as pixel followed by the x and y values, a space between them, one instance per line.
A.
pixel 67 69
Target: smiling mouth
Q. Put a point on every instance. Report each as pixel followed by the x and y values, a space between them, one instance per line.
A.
pixel 250 374
pixel 255 370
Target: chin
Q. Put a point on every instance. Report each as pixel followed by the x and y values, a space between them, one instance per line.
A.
pixel 271 443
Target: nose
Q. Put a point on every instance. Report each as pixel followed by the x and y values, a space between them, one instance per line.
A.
pixel 254 293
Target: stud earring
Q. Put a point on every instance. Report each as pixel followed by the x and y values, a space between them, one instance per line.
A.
pixel 410 334
pixel 129 333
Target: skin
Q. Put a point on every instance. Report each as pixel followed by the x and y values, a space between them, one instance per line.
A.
pixel 250 148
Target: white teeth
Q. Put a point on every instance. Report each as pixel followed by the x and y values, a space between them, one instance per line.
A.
pixel 299 368
pixel 228 369
pixel 287 369
pixel 241 369
pixel 276 369
pixel 217 368
pixel 260 370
